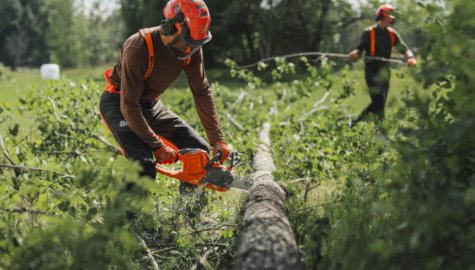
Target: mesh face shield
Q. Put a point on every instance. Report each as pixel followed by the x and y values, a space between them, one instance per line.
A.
pixel 190 46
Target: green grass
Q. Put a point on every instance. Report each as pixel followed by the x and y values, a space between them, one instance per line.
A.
pixel 400 83
pixel 19 83
pixel 23 81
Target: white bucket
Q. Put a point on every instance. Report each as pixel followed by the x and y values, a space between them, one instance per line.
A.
pixel 50 71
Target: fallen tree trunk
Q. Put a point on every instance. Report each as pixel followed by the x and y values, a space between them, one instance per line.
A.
pixel 266 239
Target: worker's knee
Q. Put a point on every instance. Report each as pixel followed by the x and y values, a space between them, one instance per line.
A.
pixel 148 168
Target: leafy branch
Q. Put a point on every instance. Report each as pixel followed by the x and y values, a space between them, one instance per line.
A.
pixel 33 169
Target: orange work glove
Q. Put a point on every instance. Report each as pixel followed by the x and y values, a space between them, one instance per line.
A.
pixel 165 155
pixel 354 55
pixel 223 148
pixel 411 62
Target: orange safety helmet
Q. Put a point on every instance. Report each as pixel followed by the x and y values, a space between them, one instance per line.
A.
pixel 385 10
pixel 190 19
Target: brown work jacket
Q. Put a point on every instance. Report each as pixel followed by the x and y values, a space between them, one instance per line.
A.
pixel 128 75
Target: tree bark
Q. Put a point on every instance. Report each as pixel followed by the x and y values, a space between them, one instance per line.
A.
pixel 266 240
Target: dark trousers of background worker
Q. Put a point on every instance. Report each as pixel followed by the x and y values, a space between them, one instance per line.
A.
pixel 377 78
pixel 162 121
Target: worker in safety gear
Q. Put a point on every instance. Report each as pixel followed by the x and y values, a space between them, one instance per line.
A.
pixel 150 61
pixel 378 41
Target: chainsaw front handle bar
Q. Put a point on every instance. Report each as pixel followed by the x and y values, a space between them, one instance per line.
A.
pixel 213 160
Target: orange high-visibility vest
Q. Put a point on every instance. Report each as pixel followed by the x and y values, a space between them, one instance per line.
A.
pixel 147 36
pixel 148 40
pixel 372 39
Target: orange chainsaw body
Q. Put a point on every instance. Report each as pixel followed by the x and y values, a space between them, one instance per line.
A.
pixel 196 164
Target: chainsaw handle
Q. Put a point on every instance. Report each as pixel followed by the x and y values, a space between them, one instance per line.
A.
pixel 180 153
pixel 213 160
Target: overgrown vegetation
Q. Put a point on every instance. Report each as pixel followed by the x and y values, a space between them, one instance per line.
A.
pixel 63 202
pixel 392 195
pixel 397 195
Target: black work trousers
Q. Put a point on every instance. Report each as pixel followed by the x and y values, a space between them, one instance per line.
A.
pixel 377 79
pixel 162 121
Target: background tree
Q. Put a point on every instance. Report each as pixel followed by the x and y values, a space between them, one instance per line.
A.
pixel 22 32
pixel 64 32
pixel 140 14
pixel 104 35
pixel 64 46
pixel 250 30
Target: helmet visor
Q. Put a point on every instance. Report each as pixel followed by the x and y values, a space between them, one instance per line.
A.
pixel 181 49
pixel 393 13
pixel 188 38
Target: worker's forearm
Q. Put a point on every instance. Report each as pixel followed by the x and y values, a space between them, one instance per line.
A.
pixel 138 124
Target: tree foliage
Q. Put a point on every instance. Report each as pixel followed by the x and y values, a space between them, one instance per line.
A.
pixel 22 32
pixel 37 32
pixel 407 199
pixel 63 32
pixel 63 203
pixel 251 30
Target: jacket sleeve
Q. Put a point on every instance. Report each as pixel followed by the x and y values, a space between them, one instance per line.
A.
pixel 132 87
pixel 364 42
pixel 401 45
pixel 203 98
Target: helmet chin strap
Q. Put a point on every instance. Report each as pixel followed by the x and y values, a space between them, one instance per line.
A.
pixel 174 42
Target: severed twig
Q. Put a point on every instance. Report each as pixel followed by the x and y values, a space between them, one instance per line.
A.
pixel 309 188
pixel 54 109
pixel 30 169
pixel 27 211
pixel 5 152
pixel 220 227
pixel 75 152
pixel 169 247
pixel 317 106
pixel 203 260
pixel 304 179
pixel 109 145
pixel 239 99
pixel 149 252
pixel 235 123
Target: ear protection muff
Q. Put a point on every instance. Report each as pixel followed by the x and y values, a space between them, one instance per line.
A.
pixel 168 27
pixel 378 16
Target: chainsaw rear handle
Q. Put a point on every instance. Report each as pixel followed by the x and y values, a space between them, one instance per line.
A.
pixel 183 151
pixel 179 155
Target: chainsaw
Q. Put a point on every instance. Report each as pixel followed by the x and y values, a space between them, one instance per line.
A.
pixel 198 169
